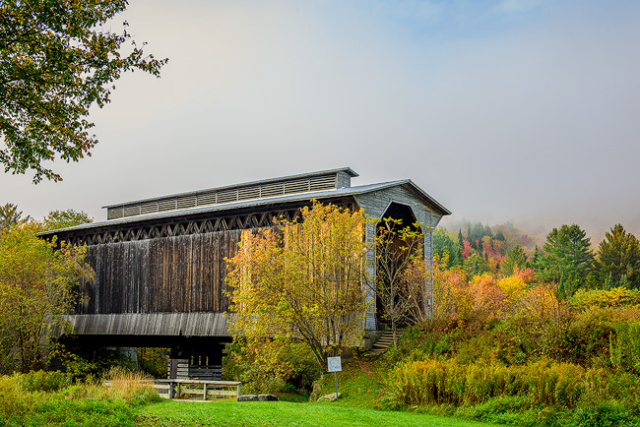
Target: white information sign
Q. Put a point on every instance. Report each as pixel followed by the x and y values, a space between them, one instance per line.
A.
pixel 334 364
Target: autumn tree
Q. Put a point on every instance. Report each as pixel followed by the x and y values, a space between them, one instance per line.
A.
pixel 10 216
pixel 301 280
pixel 618 260
pixel 67 218
pixel 399 282
pixel 58 58
pixel 36 282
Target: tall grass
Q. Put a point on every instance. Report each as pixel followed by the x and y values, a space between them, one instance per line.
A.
pixel 132 387
pixel 545 383
pixel 48 398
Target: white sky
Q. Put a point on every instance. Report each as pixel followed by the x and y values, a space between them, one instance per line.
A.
pixel 515 110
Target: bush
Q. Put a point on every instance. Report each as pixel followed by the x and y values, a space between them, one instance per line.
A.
pixel 154 361
pixel 616 297
pixel 305 368
pixel 289 362
pixel 14 402
pixel 89 367
pixel 43 381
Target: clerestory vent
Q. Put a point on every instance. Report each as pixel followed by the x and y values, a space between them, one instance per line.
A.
pixel 317 181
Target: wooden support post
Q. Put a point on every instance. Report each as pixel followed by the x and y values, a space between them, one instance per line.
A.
pixel 204 391
pixel 178 391
pixel 239 390
pixel 172 391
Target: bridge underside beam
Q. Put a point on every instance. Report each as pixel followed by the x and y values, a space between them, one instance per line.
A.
pixel 211 325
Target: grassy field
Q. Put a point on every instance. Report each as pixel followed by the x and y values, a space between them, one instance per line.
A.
pixel 246 414
pixel 359 384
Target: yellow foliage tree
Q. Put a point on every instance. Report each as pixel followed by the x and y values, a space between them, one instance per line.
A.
pixel 36 283
pixel 301 279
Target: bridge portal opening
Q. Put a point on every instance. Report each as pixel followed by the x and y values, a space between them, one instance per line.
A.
pixel 405 214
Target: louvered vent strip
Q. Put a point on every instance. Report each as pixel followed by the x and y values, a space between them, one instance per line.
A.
pixel 297 186
pixel 166 205
pixel 246 193
pixel 186 201
pixel 275 189
pixel 323 182
pixel 115 213
pixel 208 198
pixel 227 196
pixel 150 207
pixel 213 196
pixel 132 210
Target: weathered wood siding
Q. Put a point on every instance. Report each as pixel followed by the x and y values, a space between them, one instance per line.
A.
pixel 163 275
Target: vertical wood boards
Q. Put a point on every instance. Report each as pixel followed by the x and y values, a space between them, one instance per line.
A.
pixel 163 275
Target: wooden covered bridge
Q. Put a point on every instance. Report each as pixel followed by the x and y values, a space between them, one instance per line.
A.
pixel 159 263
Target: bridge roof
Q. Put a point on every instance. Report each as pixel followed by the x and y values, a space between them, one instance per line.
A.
pixel 299 197
pixel 346 170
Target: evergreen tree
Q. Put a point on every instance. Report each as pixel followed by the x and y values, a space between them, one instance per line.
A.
pixel 475 264
pixel 538 260
pixel 10 216
pixel 516 259
pixel 567 260
pixel 618 262
pixel 444 241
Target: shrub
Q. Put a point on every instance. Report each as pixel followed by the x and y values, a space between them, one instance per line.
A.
pixel 154 361
pixel 616 297
pixel 43 381
pixel 14 402
pixel 288 362
pixel 90 366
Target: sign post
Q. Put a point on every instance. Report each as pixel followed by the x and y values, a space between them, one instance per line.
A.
pixel 334 364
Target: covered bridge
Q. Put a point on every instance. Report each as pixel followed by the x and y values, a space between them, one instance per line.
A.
pixel 159 263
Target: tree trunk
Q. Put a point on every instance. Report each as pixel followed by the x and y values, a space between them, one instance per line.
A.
pixel 395 336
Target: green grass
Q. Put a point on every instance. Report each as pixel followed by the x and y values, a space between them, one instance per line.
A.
pixel 357 388
pixel 359 385
pixel 246 414
pixel 39 399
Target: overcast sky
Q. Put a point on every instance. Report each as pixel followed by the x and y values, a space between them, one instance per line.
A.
pixel 515 110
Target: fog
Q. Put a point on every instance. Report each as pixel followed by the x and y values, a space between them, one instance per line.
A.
pixel 522 111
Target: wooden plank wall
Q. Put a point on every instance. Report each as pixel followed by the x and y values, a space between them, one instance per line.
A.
pixel 161 275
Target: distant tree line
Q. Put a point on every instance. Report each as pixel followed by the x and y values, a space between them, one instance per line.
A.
pixel 566 258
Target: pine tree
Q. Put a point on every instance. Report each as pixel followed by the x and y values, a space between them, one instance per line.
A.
pixel 568 256
pixel 516 259
pixel 10 216
pixel 618 262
